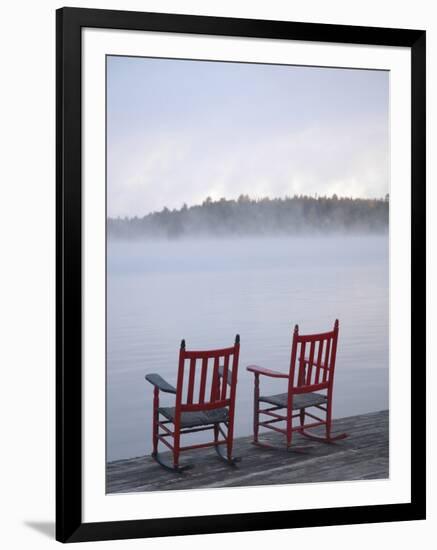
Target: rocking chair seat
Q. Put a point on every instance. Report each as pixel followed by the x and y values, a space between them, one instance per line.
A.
pixel 300 401
pixel 197 418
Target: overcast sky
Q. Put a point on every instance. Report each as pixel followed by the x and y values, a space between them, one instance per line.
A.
pixel 179 131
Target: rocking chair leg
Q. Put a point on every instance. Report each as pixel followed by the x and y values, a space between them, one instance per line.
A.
pixel 165 464
pixel 302 417
pixel 171 468
pixel 155 454
pixel 155 419
pixel 256 409
pixel 231 460
pixel 176 441
pixel 228 458
pixel 288 447
pixel 289 428
pixel 155 443
pixel 295 448
pixel 328 438
pixel 328 420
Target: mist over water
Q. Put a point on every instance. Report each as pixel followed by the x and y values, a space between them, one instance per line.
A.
pixel 206 291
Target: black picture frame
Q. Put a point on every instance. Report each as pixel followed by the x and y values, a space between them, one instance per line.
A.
pixel 69 23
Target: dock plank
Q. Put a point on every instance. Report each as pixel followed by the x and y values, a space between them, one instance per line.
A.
pixel 363 455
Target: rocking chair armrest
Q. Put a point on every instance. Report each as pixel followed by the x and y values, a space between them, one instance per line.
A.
pixel 220 373
pixel 266 372
pixel 159 382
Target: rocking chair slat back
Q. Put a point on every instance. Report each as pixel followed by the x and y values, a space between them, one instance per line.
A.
pixel 319 359
pixel 313 359
pixel 191 381
pixel 224 381
pixel 310 364
pixel 301 371
pixel 325 363
pixel 205 378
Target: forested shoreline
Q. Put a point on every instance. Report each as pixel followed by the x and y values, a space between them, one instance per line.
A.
pixel 298 215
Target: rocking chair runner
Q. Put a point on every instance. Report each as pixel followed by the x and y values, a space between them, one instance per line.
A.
pixel 311 372
pixel 210 407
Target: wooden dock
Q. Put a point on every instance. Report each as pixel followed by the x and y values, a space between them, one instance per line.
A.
pixel 363 455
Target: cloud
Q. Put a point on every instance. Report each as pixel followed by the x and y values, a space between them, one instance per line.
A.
pixel 176 168
pixel 239 131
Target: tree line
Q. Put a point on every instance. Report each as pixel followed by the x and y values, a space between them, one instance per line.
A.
pixel 296 215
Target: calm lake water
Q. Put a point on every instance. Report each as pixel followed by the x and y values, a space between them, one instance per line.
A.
pixel 206 291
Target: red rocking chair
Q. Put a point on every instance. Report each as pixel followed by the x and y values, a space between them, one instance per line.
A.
pixel 310 386
pixel 210 407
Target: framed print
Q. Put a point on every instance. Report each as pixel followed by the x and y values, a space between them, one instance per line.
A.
pixel 240 274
